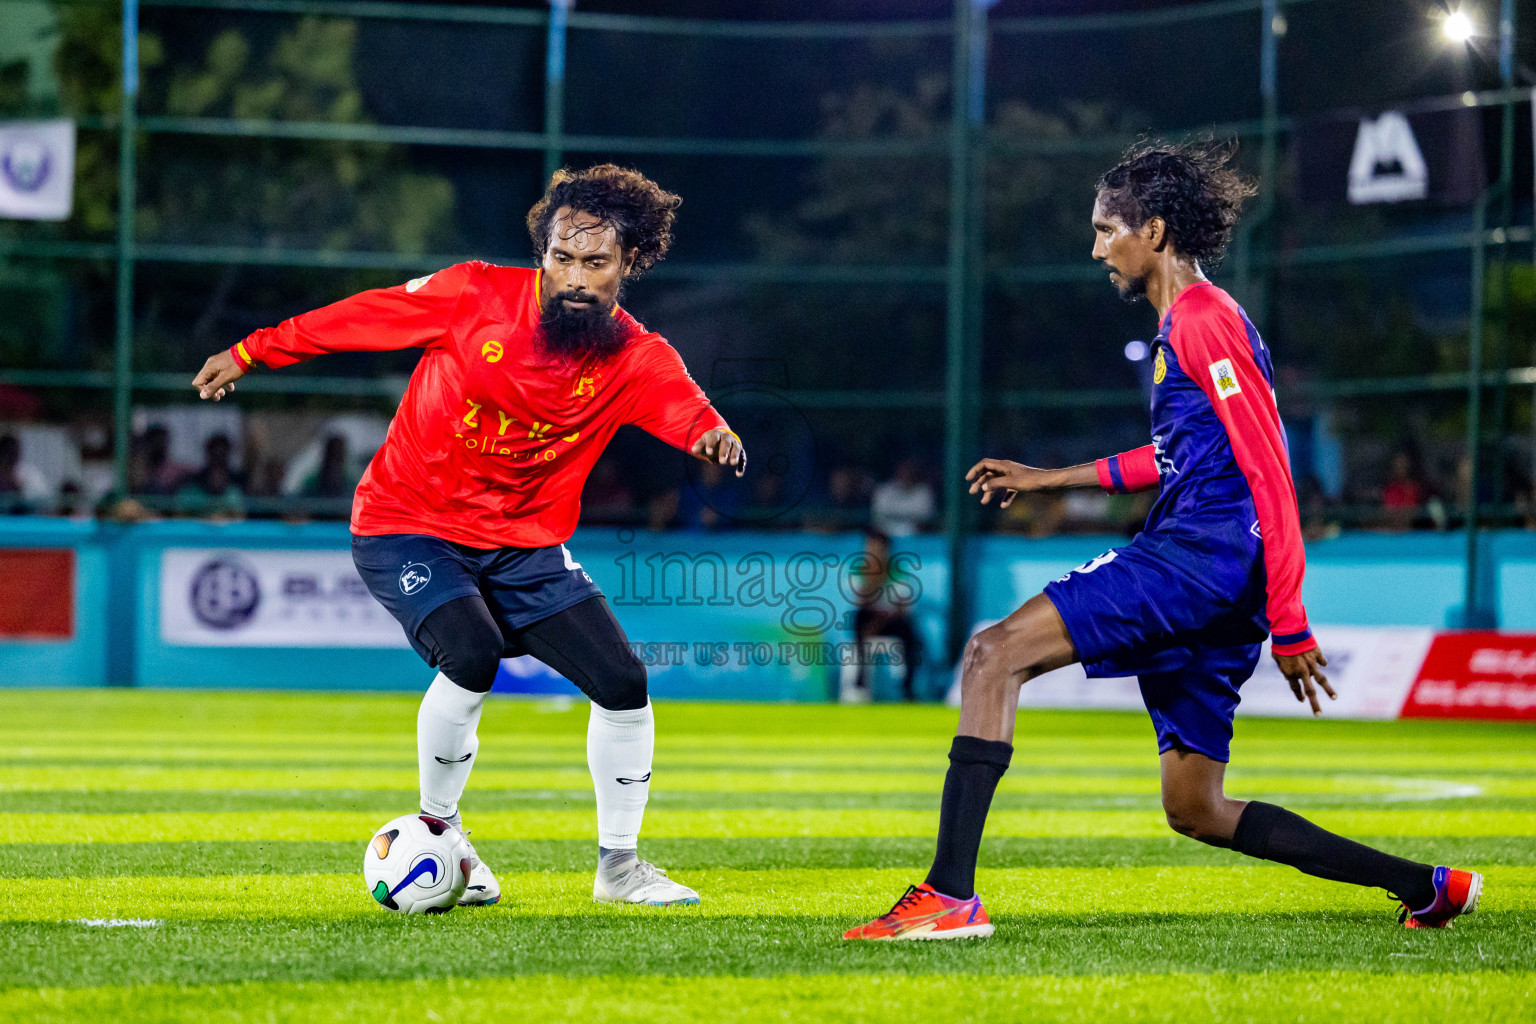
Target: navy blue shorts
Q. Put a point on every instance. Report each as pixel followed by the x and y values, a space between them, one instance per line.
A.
pixel 413 575
pixel 1133 612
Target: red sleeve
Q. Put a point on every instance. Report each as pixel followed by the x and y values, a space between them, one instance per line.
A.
pixel 670 405
pixel 1213 349
pixel 1130 471
pixel 411 315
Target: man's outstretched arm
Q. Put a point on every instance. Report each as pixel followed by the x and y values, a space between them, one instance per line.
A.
pixel 410 315
pixel 992 475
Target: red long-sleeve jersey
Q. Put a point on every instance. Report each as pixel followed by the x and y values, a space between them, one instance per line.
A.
pixel 494 438
pixel 1219 454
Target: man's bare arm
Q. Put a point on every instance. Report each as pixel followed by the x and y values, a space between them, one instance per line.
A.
pixel 991 475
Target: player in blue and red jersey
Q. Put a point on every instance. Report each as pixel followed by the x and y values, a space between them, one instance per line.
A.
pixel 1186 605
pixel 460 522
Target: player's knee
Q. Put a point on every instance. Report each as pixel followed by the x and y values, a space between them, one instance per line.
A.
pixel 472 658
pixel 992 666
pixel 1191 814
pixel 623 686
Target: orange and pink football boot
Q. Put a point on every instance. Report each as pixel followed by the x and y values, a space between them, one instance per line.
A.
pixel 1456 893
pixel 924 913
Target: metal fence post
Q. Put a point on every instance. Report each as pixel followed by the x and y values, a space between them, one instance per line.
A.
pixel 1473 614
pixel 1254 293
pixel 554 87
pixel 127 204
pixel 963 293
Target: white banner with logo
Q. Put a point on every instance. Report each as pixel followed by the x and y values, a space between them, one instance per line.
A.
pixel 219 597
pixel 1371 668
pixel 37 169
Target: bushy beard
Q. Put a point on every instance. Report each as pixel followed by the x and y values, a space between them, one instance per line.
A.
pixel 581 332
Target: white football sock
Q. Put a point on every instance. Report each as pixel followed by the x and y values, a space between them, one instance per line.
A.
pixel 446 744
pixel 619 748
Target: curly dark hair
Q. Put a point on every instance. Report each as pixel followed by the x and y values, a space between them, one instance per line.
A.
pixel 1190 185
pixel 640 210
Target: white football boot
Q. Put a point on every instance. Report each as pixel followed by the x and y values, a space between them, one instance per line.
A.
pixel 483 889
pixel 640 881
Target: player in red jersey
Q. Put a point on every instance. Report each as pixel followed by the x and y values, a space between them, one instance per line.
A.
pixel 1184 606
pixel 460 522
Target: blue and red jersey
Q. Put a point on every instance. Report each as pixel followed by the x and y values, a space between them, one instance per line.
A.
pixel 1218 452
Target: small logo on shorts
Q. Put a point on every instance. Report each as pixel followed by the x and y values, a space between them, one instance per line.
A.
pixel 413 577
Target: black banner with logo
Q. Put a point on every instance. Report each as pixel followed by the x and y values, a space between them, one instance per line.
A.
pixel 1390 157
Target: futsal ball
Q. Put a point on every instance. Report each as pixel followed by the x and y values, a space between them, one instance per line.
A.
pixel 417 864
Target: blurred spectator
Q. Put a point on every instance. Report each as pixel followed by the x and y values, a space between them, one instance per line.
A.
pixel 843 502
pixel 701 502
pixel 606 499
pixel 1318 519
pixel 1405 493
pixel 214 490
pixel 903 505
pixel 151 469
pixel 884 593
pixel 1035 515
pixel 23 487
pixel 661 510
pixel 332 478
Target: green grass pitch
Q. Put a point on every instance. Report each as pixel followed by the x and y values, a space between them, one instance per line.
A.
pixel 235 825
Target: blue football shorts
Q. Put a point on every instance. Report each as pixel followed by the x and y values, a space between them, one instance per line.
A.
pixel 413 575
pixel 1137 612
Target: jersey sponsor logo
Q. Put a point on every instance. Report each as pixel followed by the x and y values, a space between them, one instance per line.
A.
pixel 415 283
pixel 1159 367
pixel 1225 378
pixel 493 351
pixel 1091 566
pixel 413 577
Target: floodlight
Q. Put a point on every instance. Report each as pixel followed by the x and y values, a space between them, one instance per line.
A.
pixel 1458 26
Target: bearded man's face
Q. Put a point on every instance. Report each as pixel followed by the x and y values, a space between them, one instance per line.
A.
pixel 584 268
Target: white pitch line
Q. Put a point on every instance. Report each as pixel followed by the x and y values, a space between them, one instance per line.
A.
pixel 1410 789
pixel 118 922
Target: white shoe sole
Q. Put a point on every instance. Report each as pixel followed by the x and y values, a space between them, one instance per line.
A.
pixel 975 931
pixel 600 896
pixel 481 903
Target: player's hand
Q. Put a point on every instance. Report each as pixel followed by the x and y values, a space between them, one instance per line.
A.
pixel 992 475
pixel 723 448
pixel 217 376
pixel 1300 670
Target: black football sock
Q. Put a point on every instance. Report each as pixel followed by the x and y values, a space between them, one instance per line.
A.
pixel 1274 833
pixel 975 766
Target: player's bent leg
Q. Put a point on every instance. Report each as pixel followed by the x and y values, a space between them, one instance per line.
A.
pixel 465 644
pixel 997 661
pixel 586 644
pixel 1196 806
